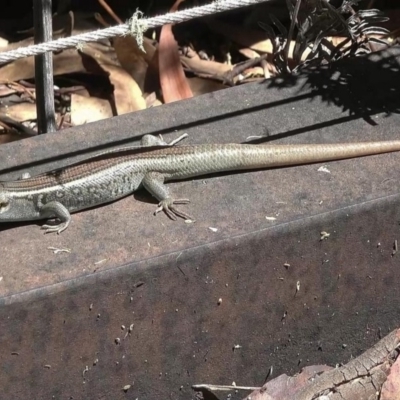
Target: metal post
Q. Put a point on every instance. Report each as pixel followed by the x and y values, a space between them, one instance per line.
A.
pixel 43 27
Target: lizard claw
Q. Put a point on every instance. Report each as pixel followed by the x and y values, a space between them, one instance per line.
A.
pixel 167 205
pixel 55 228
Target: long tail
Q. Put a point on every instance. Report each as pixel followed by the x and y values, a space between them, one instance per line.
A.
pixel 259 156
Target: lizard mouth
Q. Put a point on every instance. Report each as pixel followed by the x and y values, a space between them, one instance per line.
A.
pixel 4 203
pixel 4 206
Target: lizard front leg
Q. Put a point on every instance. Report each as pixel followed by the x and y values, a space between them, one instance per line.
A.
pixel 54 209
pixel 25 175
pixel 150 140
pixel 154 184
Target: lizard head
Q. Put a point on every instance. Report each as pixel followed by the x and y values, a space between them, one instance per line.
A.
pixel 4 203
pixel 14 208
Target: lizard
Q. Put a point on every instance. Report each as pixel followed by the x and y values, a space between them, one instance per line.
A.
pixel 114 174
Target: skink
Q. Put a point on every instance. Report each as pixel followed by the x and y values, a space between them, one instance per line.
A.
pixel 115 174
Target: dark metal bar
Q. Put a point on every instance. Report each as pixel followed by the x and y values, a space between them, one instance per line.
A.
pixel 43 28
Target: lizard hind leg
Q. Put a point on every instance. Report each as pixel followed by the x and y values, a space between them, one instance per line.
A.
pixel 59 211
pixel 153 182
pixel 167 205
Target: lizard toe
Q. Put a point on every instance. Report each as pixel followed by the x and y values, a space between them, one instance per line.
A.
pixel 172 212
pixel 55 228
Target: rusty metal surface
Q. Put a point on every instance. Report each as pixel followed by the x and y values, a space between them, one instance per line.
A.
pixel 127 231
pixel 126 266
pixel 348 298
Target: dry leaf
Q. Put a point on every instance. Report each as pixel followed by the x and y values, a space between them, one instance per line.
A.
pixel 20 112
pixel 3 44
pixel 5 90
pixel 206 68
pixel 249 53
pixel 65 62
pixel 88 109
pixel 127 94
pixel 131 58
pixel 142 65
pixel 152 101
pixel 172 77
pixel 253 72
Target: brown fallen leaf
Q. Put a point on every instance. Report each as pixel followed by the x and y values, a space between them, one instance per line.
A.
pixel 13 130
pixel 133 59
pixel 88 109
pixel 249 53
pixel 3 44
pixel 172 77
pixel 15 87
pixel 253 72
pixel 128 96
pixel 20 112
pixel 6 90
pixel 152 101
pixel 206 68
pixel 249 70
pixel 66 62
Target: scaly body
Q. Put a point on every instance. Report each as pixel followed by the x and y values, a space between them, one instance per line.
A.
pixel 111 176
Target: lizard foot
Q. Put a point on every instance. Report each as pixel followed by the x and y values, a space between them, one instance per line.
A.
pixel 55 228
pixel 168 207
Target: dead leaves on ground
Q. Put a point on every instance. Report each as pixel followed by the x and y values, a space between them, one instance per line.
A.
pixel 172 77
pixel 119 77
